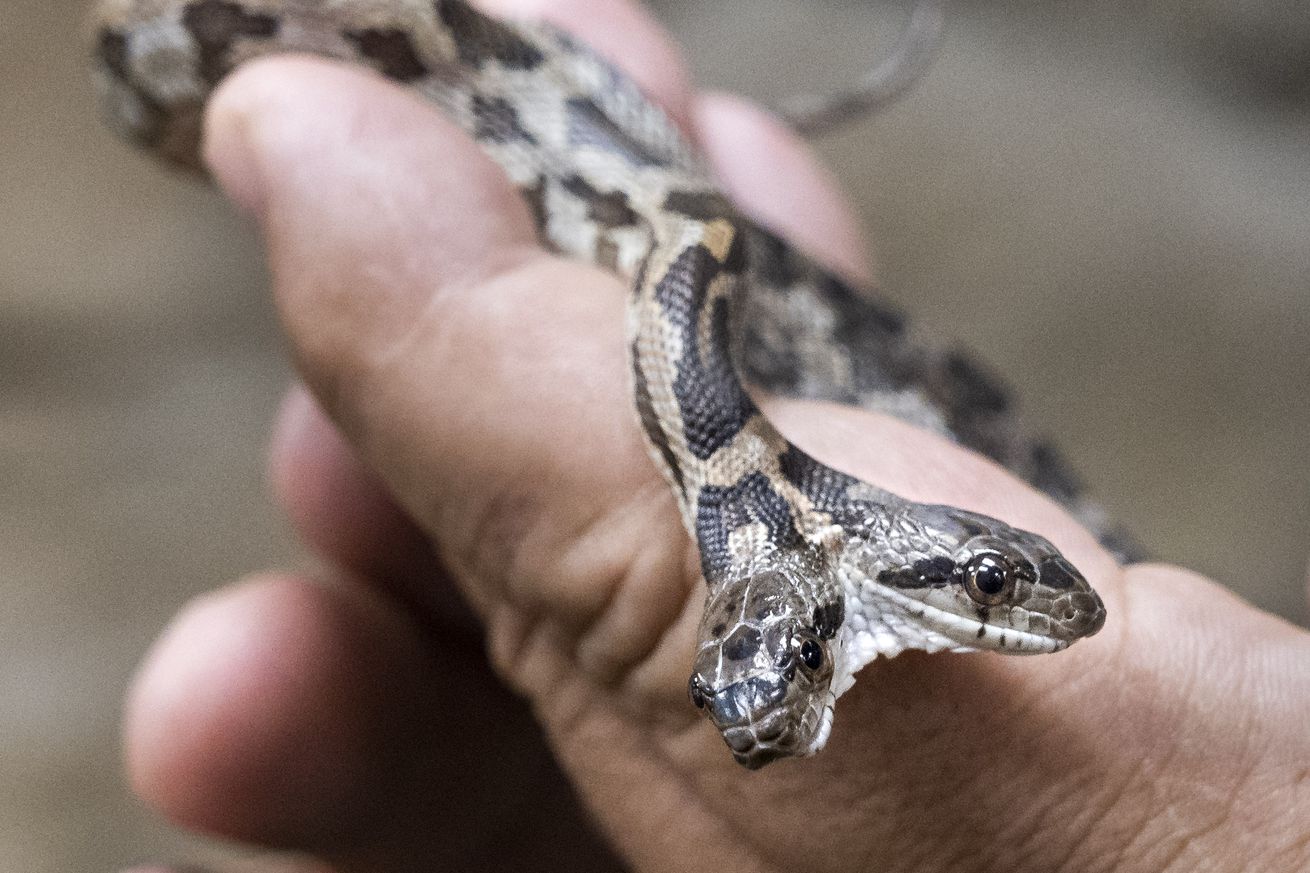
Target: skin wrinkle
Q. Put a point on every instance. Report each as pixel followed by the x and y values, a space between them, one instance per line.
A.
pixel 1027 826
pixel 1297 851
pixel 1080 803
pixel 616 580
pixel 644 679
pixel 1188 698
pixel 1024 837
pixel 1066 802
pixel 1107 813
pixel 1074 799
pixel 692 803
pixel 568 703
pixel 973 782
pixel 507 635
pixel 1224 816
pixel 602 522
pixel 606 629
pixel 1073 858
pixel 532 662
pixel 516 545
pixel 565 626
pixel 511 261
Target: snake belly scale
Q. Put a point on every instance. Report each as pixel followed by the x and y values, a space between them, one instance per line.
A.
pixel 811 573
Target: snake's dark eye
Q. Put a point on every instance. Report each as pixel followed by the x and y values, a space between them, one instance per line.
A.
pixel 695 693
pixel 988 579
pixel 812 654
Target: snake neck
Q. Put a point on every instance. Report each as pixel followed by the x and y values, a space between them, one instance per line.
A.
pixel 722 457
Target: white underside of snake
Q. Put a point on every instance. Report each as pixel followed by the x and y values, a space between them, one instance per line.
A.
pixel 811 573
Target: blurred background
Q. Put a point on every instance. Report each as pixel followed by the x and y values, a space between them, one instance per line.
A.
pixel 1110 200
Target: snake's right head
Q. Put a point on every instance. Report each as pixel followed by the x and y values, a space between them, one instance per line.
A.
pixel 764 667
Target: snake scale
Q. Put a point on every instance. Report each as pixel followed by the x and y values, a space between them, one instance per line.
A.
pixel 811 573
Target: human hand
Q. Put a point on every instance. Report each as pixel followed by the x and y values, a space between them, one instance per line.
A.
pixel 480 384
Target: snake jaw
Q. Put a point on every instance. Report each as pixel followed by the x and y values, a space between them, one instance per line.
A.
pixel 765 665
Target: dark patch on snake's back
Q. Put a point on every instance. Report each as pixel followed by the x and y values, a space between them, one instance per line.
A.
pixel 590 126
pixel 479 38
pixel 391 51
pixel 608 209
pixel 721 510
pixel 769 366
pixel 1051 473
pixel 969 525
pixel 871 332
pixel 1123 545
pixel 714 406
pixel 826 488
pixel 535 196
pixel 112 51
pixel 495 120
pixel 972 388
pixel 698 205
pixel 215 25
pixel 650 423
pixel 857 313
pixel 771 256
pixel 607 253
pixel 734 262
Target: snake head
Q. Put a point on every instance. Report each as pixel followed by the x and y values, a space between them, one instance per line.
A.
pixel 985 585
pixel 764 667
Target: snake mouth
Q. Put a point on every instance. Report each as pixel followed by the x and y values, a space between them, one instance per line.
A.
pixel 758 756
pixel 757 734
pixel 755 745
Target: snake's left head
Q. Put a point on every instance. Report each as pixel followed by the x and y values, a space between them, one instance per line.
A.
pixel 764 668
pixel 987 585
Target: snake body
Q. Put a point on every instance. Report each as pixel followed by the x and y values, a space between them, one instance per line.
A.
pixel 810 572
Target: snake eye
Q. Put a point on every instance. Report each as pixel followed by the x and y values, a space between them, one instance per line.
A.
pixel 988 579
pixel 811 654
pixel 695 693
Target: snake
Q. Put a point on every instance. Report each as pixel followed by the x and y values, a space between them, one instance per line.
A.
pixel 810 572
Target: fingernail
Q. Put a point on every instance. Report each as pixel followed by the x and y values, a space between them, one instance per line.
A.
pixel 262 127
pixel 230 155
pixel 294 417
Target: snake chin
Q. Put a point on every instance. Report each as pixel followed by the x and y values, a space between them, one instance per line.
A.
pixel 766 717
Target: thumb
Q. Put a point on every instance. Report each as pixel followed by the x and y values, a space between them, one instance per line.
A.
pixel 482 378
